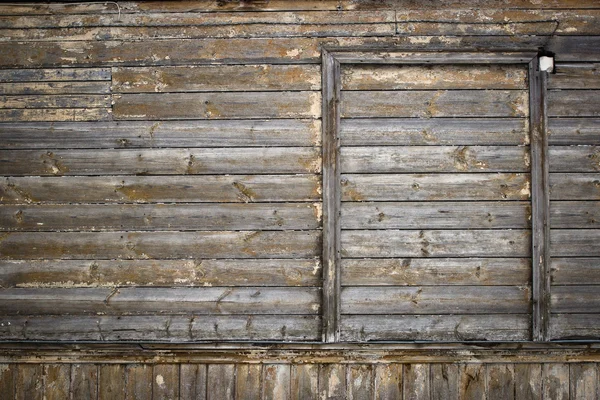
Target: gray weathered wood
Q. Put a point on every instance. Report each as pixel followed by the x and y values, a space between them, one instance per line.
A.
pixel 248 380
pixel 332 381
pixel 433 243
pixel 217 105
pixel 161 161
pixel 55 101
pixel 193 381
pixel 54 114
pixel 427 187
pixel 401 159
pixel 575 326
pixel 528 381
pixel 417 385
pixel 575 271
pixel 111 385
pixel 138 381
pixel 54 88
pixel 54 75
pixel 29 382
pixel 304 381
pixel 7 380
pixel 220 382
pixel 555 381
pixel 432 271
pixel 574 242
pixel 444 381
pixel 573 103
pixel 419 52
pixel 574 186
pixel 472 381
pixel 165 382
pixel 573 131
pixel 500 382
pixel 435 103
pixel 575 214
pixel 57 381
pixel 387 381
pixel 575 299
pixel 436 300
pixel 432 131
pixel 360 382
pixel 583 381
pixel 574 159
pixel 84 381
pixel 276 382
pixel 575 76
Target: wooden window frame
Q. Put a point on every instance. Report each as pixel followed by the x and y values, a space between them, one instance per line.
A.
pixel 332 60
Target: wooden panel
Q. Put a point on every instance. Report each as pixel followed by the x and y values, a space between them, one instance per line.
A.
pixel 575 242
pixel 53 88
pixel 573 103
pixel 217 105
pixel 419 77
pixel 111 385
pixel 575 214
pixel 276 381
pixel 158 245
pixel 575 159
pixel 388 381
pixel 54 75
pixel 161 161
pixel 435 271
pixel 193 381
pixel 575 326
pixel 500 382
pixel 216 78
pixel 138 381
pixel 434 243
pixel 573 131
pixel 407 215
pixel 84 381
pixel 172 189
pixel 575 271
pixel 555 381
pixel 269 272
pixel 416 382
pixel 583 381
pixel 584 186
pixel 165 381
pixel 55 114
pixel 332 381
pixel 528 381
pixel 220 382
pixel 434 159
pixel 575 76
pixel 575 299
pixel 360 382
pixel 435 300
pixel 434 131
pixel 55 101
pixel 435 103
pixel 472 381
pixel 304 381
pixel 132 134
pixel 7 380
pixel 57 381
pixel 183 217
pixel 29 382
pixel 248 381
pixel 444 381
pixel 428 187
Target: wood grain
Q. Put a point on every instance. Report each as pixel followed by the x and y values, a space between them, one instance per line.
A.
pixel 528 381
pixel 574 242
pixel 575 299
pixel 573 103
pixel 55 74
pixel 573 131
pixel 138 381
pixel 41 89
pixel 304 381
pixel 84 381
pixel 575 76
pixel 248 383
pixel 555 381
pixel 575 214
pixel 220 382
pixel 575 326
pixel 54 114
pixel 416 382
pixel 193 383
pixel 165 382
pixel 444 381
pixel 111 385
pixel 574 186
pixel 55 101
pixel 57 381
pixel 574 159
pixel 575 271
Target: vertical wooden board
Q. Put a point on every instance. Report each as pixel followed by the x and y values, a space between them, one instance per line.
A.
pixel 332 381
pixel 248 381
pixel 416 382
pixel 220 382
pixel 472 381
pixel 29 382
pixel 276 381
pixel 583 381
pixel 555 381
pixel 165 382
pixel 138 381
pixel 57 380
pixel 360 382
pixel 528 381
pixel 388 381
pixel 500 382
pixel 111 382
pixel 84 381
pixel 192 385
pixel 7 380
pixel 444 381
pixel 304 382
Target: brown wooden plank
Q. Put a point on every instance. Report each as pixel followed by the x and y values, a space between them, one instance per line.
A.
pixel 153 245
pixel 332 381
pixel 436 243
pixel 418 77
pixel 583 381
pixel 55 101
pixel 573 131
pixel 74 273
pixel 57 381
pixel 138 381
pixel 575 76
pixel 182 217
pixel 573 103
pixel 304 381
pixel 428 187
pixel 555 381
pixel 29 382
pixel 7 380
pixel 433 131
pixel 276 382
pixel 574 186
pixel 500 382
pixel 409 215
pixel 435 103
pixel 433 271
pixel 436 300
pixel 416 381
pixel 55 88
pixel 165 381
pixel 220 382
pixel 574 159
pixel 161 161
pixel 111 382
pixel 248 381
pixel 54 75
pixel 54 114
pixel 472 381
pixel 574 242
pixel 217 105
pixel 444 381
pixel 171 189
pixel 575 326
pixel 575 271
pixel 575 299
pixel 134 134
pixel 360 382
pixel 193 381
pixel 401 159
pixel 575 214
pixel 216 78
pixel 84 381
pixel 388 381
pixel 528 381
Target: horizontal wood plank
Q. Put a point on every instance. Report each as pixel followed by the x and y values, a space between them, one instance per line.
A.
pixel 575 326
pixel 428 187
pixel 575 76
pixel 401 159
pixel 574 242
pixel 575 214
pixel 160 245
pixel 582 299
pixel 54 75
pixel 435 243
pixel 574 158
pixel 582 186
pixel 433 131
pixel 429 215
pixel 167 189
pixel 55 101
pixel 194 161
pixel 575 271
pixel 435 103
pixel 435 271
pixel 183 217
pixel 216 78
pixel 573 103
pixel 436 300
pixel 498 327
pixel 573 131
pixel 197 272
pixel 54 114
pixel 54 88
pixel 419 77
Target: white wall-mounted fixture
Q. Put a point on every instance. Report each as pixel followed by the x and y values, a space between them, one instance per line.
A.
pixel 546 64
